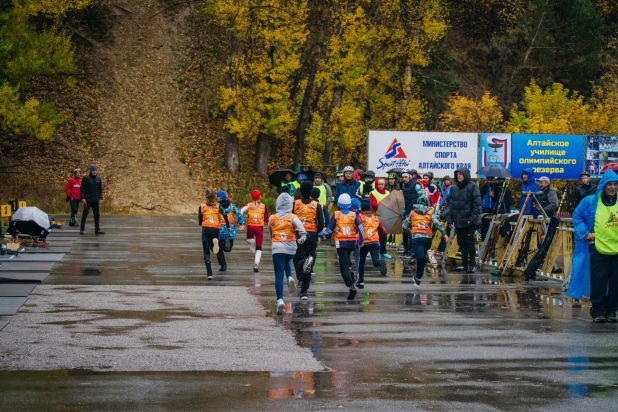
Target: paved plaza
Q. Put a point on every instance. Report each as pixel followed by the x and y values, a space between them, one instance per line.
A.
pixel 128 321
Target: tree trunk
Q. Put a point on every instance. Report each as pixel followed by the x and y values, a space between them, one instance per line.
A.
pixel 407 83
pixel 262 153
pixel 198 34
pixel 303 119
pixel 329 146
pixel 232 156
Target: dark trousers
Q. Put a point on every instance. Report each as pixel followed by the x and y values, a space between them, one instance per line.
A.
pixel 603 284
pixel 74 203
pixel 345 261
pixel 383 244
pixel 308 248
pixel 368 248
pixel 209 237
pixel 465 239
pixel 95 211
pixel 221 252
pixel 420 246
pixel 406 243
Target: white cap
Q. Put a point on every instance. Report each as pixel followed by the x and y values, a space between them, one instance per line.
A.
pixel 544 179
pixel 344 199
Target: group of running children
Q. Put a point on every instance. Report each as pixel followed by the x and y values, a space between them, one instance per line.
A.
pixel 298 227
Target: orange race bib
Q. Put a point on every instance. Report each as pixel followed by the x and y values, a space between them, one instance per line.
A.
pixel 307 214
pixel 370 228
pixel 255 214
pixel 210 216
pixel 282 229
pixel 345 228
pixel 420 223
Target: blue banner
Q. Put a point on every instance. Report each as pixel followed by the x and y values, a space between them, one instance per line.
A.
pixel 553 155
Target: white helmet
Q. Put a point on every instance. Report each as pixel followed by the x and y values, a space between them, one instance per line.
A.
pixel 348 169
pixel 344 200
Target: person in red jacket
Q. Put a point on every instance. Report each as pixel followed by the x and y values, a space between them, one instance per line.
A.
pixel 72 190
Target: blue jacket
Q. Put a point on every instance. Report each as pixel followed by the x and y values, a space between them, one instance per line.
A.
pixel 231 234
pixel 583 222
pixel 531 186
pixel 350 189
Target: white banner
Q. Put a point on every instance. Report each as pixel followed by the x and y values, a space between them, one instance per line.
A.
pixel 437 152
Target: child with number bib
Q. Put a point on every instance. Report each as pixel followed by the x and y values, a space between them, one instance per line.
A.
pixel 209 216
pixel 372 231
pixel 227 236
pixel 347 229
pixel 256 216
pixel 421 222
pixel 283 237
pixel 309 212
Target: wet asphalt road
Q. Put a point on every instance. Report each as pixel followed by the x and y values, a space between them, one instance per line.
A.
pixel 459 342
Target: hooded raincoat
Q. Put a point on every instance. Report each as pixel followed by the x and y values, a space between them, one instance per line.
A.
pixel 583 222
pixel 529 186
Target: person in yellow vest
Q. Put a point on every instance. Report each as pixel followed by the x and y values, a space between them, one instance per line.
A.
pixel 377 195
pixel 326 193
pixel 208 216
pixel 227 236
pixel 421 222
pixel 256 217
pixel 347 229
pixel 309 212
pixel 595 221
pixel 284 226
pixel 372 230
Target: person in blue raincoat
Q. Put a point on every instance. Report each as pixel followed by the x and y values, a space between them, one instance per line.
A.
pixel 584 223
pixel 236 219
pixel 528 185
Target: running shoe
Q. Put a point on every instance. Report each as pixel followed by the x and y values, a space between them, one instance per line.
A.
pixel 417 282
pixel 383 268
pixel 215 247
pixel 471 269
pixel 291 284
pixel 209 277
pixel 307 265
pixel 360 285
pixel 251 245
pixel 611 318
pixel 599 319
pixel 256 267
pixel 280 307
pixel 303 295
pixel 352 293
pixel 386 256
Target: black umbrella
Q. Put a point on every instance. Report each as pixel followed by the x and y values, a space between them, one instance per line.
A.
pixel 278 176
pixel 398 171
pixel 495 171
pixel 311 174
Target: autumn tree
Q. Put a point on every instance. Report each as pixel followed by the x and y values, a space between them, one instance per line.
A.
pixel 28 50
pixel 468 115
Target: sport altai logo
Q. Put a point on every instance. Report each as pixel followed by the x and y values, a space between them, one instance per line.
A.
pixel 394 157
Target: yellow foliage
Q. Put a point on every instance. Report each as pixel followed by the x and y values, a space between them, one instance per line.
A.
pixel 465 115
pixel 554 110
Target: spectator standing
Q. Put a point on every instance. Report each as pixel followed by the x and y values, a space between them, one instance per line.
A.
pixel 464 213
pixel 73 192
pixel 595 221
pixel 91 193
pixel 585 189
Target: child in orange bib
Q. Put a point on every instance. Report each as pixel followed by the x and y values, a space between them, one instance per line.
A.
pixel 256 216
pixel 421 222
pixel 347 229
pixel 208 217
pixel 373 230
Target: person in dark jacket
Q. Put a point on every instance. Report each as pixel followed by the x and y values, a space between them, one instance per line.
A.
pixel 366 187
pixel 391 183
pixel 548 198
pixel 311 215
pixel 73 192
pixel 92 196
pixel 464 213
pixel 585 189
pixel 349 185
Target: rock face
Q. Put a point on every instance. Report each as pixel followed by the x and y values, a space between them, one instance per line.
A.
pixel 140 108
